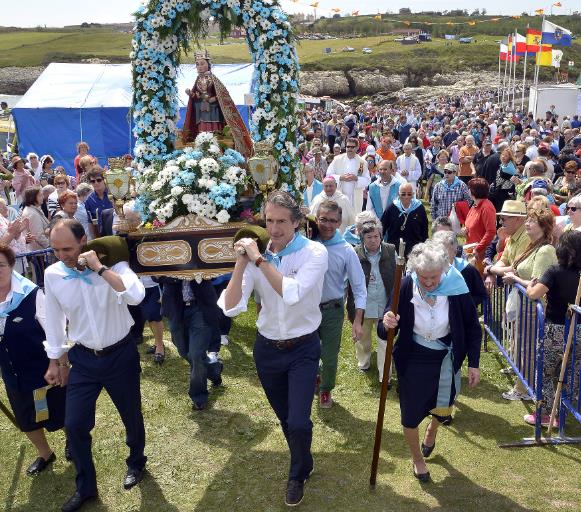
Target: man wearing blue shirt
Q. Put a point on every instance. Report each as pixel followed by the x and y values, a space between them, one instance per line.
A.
pixel 343 264
pixel 97 201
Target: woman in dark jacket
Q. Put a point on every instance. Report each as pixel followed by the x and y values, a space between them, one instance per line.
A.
pixel 438 329
pixel 406 218
pixel 24 362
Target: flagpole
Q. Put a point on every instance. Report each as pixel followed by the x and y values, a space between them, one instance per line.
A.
pixel 514 41
pixel 524 75
pixel 510 58
pixel 504 77
pixel 498 81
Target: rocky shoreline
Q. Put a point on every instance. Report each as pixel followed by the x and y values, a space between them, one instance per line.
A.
pixel 362 84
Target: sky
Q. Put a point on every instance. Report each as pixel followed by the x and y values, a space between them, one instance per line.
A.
pixel 57 13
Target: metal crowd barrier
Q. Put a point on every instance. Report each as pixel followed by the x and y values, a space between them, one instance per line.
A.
pixel 39 261
pixel 571 395
pixel 521 342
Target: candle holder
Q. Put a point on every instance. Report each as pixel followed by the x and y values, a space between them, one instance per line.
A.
pixel 119 186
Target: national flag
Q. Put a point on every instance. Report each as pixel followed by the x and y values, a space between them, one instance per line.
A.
pixel 336 9
pixel 355 13
pixel 472 23
pixel 315 4
pixel 378 17
pixel 555 35
pixel 557 4
pixel 557 55
pixel 539 12
pixel 519 44
pixel 505 54
pixel 545 58
pixel 533 40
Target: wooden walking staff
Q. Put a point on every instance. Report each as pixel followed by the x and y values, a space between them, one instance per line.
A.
pixel 8 414
pixel 387 364
pixel 557 398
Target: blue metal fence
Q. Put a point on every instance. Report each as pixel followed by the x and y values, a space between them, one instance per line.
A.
pixel 520 339
pixel 39 260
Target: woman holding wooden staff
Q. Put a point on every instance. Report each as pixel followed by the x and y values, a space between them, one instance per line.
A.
pixel 438 329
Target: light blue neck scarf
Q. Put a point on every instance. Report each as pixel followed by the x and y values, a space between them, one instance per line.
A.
pixel 460 264
pixel 296 244
pixel 337 239
pixel 26 285
pixel 73 273
pixel 508 168
pixel 451 284
pixel 416 203
pixel 453 185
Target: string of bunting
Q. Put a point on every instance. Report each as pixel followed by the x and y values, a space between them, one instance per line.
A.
pixel 384 18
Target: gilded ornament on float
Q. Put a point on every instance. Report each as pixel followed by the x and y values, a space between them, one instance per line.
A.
pixel 119 181
pixel 264 167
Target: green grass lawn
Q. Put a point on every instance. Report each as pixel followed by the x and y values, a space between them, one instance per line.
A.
pixel 31 48
pixel 233 457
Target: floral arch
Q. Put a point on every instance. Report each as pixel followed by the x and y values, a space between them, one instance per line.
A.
pixel 166 28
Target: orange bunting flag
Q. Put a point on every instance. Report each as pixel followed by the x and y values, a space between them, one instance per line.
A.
pixel 539 12
pixel 355 13
pixel 378 17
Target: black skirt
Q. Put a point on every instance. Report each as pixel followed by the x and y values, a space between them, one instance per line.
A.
pixel 418 386
pixel 22 403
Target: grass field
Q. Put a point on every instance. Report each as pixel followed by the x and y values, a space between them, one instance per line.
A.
pixel 33 48
pixel 232 457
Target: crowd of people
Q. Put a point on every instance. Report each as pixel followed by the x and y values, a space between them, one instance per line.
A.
pixel 507 184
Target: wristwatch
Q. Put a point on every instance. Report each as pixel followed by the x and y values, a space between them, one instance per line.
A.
pixel 259 261
pixel 102 269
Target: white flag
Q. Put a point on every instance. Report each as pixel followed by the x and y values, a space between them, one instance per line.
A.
pixel 557 56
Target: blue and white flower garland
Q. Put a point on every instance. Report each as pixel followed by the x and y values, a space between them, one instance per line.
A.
pixel 165 27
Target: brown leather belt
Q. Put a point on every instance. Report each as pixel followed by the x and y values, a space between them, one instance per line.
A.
pixel 285 344
pixel 106 350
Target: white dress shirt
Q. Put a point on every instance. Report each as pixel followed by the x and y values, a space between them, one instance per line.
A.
pixel 411 164
pixel 342 164
pixel 348 213
pixel 297 312
pixel 430 322
pixel 97 315
pixel 16 286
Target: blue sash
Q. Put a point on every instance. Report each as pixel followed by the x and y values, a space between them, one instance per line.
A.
pixel 455 184
pixel 350 236
pixel 375 197
pixel 17 297
pixel 446 374
pixel 317 189
pixel 296 244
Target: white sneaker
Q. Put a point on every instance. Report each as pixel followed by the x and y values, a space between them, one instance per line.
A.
pixel 213 357
pixel 507 371
pixel 515 395
pixel 224 340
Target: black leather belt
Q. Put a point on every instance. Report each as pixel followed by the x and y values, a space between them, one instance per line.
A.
pixel 285 344
pixel 106 350
pixel 331 304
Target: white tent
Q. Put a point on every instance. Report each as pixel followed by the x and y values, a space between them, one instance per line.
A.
pixel 90 102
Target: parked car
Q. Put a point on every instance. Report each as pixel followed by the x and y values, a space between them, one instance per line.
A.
pixel 367 50
pixel 348 49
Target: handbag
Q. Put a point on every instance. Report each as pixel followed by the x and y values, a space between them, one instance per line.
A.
pixel 454 220
pixel 511 306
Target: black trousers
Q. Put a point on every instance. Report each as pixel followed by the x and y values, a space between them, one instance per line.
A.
pixel 118 373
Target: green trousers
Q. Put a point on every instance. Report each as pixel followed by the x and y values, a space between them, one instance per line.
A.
pixel 330 333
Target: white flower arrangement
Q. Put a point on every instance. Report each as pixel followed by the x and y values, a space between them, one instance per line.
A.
pixel 164 27
pixel 194 180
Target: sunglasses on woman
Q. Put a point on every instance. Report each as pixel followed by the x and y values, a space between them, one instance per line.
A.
pixel 571 209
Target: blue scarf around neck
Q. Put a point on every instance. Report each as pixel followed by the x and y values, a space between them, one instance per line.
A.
pixel 416 203
pixel 452 283
pixel 460 264
pixel 455 184
pixel 337 239
pixel 508 168
pixel 18 296
pixel 73 273
pixel 296 244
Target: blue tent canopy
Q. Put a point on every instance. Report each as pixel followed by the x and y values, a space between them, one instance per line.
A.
pixel 73 102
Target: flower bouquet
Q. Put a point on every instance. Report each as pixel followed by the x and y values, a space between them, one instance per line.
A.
pixel 191 206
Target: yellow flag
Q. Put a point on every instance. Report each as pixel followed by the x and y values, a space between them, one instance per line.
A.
pixel 544 58
pixel 336 10
pixel 378 17
pixel 540 12
pixel 471 23
pixel 315 4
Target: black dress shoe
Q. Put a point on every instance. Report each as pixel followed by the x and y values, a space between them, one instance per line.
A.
pixel 217 381
pixel 427 450
pixel 76 501
pixel 158 358
pixel 150 350
pixel 295 492
pixel 40 464
pixel 133 477
pixel 422 477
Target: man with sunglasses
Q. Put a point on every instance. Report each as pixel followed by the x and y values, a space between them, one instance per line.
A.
pixel 447 192
pixel 98 200
pixel 351 173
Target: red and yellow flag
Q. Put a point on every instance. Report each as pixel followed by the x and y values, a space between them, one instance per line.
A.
pixel 557 4
pixel 545 58
pixel 355 13
pixel 533 40
pixel 539 12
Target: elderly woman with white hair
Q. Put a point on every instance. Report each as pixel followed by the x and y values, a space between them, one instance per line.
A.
pixel 438 329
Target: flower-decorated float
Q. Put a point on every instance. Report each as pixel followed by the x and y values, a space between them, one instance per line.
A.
pixel 197 187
